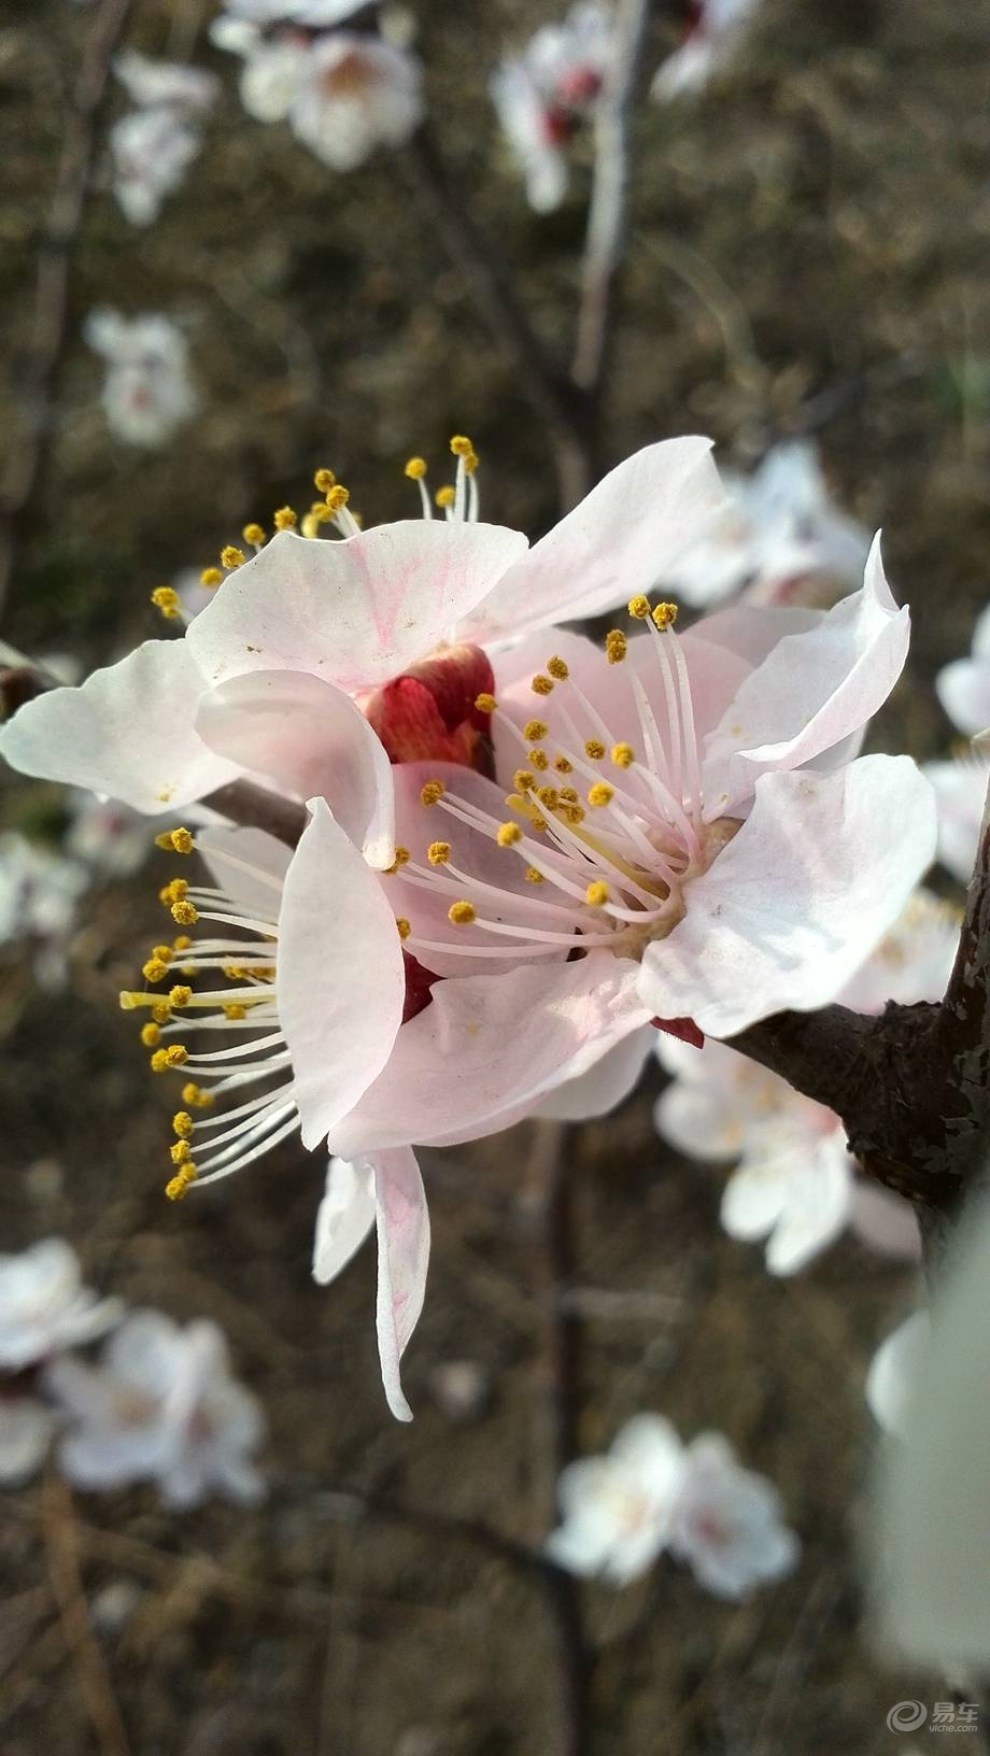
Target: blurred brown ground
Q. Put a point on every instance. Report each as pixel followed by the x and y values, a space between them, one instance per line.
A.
pixel 812 234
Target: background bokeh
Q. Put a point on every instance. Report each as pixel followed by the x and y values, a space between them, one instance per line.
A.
pixel 808 254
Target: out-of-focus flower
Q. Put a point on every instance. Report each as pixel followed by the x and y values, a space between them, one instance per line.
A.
pixel 895 1370
pixel 162 1406
pixel 148 393
pixel 715 31
pixel 960 794
pixel 727 1523
pixel 651 1493
pixel 618 1509
pixel 153 146
pixel 963 687
pixel 111 840
pixel 39 894
pixel 26 1429
pixel 782 537
pixel 796 1183
pixel 44 1307
pixel 542 96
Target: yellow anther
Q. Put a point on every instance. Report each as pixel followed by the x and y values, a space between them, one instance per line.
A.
pixel 664 616
pixel 616 646
pixel 623 755
pixel 562 765
pixel 432 792
pixel 639 606
pixel 416 469
pixel 461 446
pixel 179 997
pixel 337 497
pixel 595 749
pixel 161 1012
pixel 539 759
pixel 601 793
pixel 401 859
pixel 508 834
pixel 438 853
pixel 182 942
pixel 596 895
pixel 235 1011
pixel 558 669
pixel 404 927
pixel 182 1123
pixel 461 914
pixel 542 685
pixel 232 557
pixel 571 813
pixel 163 1059
pixel 324 480
pixel 534 730
pixel 151 1036
pixel 444 497
pixel 320 512
pixel 166 599
pixel 180 1152
pixel 174 891
pixel 184 914
pixel 196 1097
pixel 549 797
pixel 175 841
pixel 569 795
pixel 164 952
pixel 522 780
pixel 285 518
pixel 176 1188
pixel 155 970
pixel 471 462
pixel 533 876
pixel 485 703
pixel 254 534
pixel 210 577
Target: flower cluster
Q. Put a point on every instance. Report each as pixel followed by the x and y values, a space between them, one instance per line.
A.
pixel 543 96
pixel 160 1406
pixel 652 1494
pixel 342 92
pixel 153 145
pixel 147 394
pixel 525 850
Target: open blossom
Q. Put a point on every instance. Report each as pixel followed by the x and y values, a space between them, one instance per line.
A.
pixel 153 145
pixel 343 93
pixel 39 895
pixel 542 96
pixel 147 394
pixel 161 1406
pixel 681 811
pixel 44 1307
pixel 781 537
pixel 651 1493
pixel 796 1184
pixel 963 687
pixel 960 787
pixel 715 30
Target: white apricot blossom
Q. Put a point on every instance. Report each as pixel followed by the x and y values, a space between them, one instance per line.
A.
pixel 148 394
pixel 40 892
pixel 161 1406
pixel 727 1523
pixel 960 786
pixel 714 34
pixel 963 687
pixel 45 1308
pixel 27 1426
pixel 153 145
pixel 542 96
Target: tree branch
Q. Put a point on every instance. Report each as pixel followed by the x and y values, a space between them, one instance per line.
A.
pixel 252 807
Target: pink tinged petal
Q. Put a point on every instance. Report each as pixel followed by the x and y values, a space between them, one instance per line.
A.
pixel 487 1049
pixel 604 1086
pixel 403 1257
pixel 963 688
pixel 341 984
pixel 307 738
pixel 813 691
pixel 248 865
pixel 619 541
pixel 790 909
pixel 128 731
pixel 356 612
pixel 346 1215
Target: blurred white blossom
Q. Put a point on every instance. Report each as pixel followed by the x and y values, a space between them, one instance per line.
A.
pixel 542 96
pixel 713 36
pixel 727 1523
pixel 162 1406
pixel 148 393
pixel 895 1370
pixel 153 145
pixel 110 839
pixel 39 893
pixel 963 687
pixel 44 1307
pixel 960 793
pixel 26 1428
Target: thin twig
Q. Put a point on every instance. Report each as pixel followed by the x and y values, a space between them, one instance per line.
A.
pixel 29 450
pixel 606 234
pixel 59 1523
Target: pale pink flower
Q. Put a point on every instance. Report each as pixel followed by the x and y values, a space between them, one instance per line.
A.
pixel 716 31
pixel 727 1523
pixel 148 394
pixel 109 840
pixel 152 147
pixel 618 1509
pixel 960 795
pixel 162 1406
pixel 44 1307
pixel 963 687
pixel 895 1370
pixel 542 96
